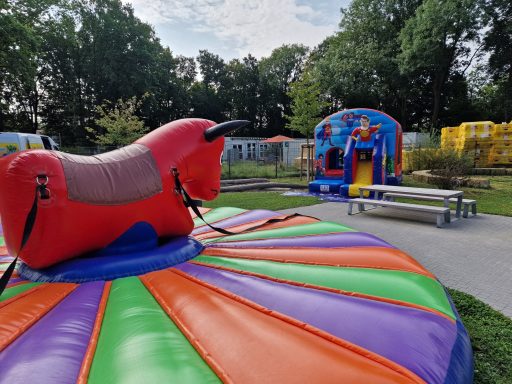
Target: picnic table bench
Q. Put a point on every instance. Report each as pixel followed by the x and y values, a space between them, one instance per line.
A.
pixel 442 213
pixel 467 203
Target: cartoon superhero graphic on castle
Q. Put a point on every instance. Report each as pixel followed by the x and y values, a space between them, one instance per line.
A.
pixel 365 131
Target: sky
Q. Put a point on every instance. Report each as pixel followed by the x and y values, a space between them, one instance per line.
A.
pixel 235 28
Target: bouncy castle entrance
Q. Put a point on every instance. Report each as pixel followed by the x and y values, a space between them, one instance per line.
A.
pixel 334 162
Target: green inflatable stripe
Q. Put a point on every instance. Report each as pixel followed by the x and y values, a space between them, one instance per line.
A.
pixel 139 343
pixel 2 241
pixel 319 228
pixel 16 290
pixel 398 285
pixel 218 214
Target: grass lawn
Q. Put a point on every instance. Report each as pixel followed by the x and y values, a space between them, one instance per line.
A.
pixel 250 169
pixel 491 337
pixel 490 331
pixel 497 200
pixel 260 200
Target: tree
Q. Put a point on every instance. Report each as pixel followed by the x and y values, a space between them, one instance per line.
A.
pixel 358 67
pixel 242 91
pixel 435 41
pixel 277 72
pixel 498 43
pixel 23 24
pixel 118 125
pixel 306 105
pixel 209 97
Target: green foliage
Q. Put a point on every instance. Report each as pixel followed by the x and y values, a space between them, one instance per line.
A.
pixel 435 40
pixel 498 43
pixel 358 66
pixel 448 165
pixel 306 105
pixel 118 125
pixel 60 59
pixel 491 338
pixel 276 73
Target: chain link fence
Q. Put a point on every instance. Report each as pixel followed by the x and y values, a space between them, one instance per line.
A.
pixel 254 158
pixel 242 157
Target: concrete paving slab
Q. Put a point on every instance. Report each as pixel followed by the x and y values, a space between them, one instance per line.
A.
pixel 473 255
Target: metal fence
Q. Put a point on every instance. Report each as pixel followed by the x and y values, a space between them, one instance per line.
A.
pixel 242 158
pixel 246 158
pixel 87 151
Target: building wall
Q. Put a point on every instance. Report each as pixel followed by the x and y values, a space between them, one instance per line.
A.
pixel 253 148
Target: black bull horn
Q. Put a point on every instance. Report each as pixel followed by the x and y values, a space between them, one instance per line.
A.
pixel 222 129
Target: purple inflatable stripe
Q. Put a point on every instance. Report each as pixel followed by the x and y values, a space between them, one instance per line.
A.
pixel 335 240
pixel 418 340
pixel 52 350
pixel 15 280
pixel 6 259
pixel 247 217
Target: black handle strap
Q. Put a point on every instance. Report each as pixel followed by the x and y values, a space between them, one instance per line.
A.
pixel 44 193
pixel 189 202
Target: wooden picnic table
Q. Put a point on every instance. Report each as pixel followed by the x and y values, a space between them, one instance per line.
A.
pixel 427 192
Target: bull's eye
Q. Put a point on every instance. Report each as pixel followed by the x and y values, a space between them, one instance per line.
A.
pixel 221 154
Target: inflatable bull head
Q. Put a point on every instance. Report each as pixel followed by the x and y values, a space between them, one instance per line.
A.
pixel 92 200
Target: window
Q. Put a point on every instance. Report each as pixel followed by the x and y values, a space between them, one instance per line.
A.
pixel 46 142
pixel 251 151
pixel 238 151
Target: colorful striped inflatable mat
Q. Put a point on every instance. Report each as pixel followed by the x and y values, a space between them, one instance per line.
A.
pixel 289 299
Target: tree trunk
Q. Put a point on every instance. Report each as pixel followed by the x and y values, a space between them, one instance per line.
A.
pixel 436 93
pixel 403 111
pixel 308 158
pixel 35 107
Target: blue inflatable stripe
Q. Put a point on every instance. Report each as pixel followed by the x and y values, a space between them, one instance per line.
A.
pixel 113 267
pixel 461 365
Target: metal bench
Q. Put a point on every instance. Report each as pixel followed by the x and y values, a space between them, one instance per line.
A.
pixel 466 202
pixel 443 213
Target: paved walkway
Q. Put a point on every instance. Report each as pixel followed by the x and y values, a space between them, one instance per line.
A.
pixel 472 255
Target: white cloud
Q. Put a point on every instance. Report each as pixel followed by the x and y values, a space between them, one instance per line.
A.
pixel 250 27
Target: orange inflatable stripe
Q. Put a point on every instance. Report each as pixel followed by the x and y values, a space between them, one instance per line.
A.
pixel 203 210
pixel 3 250
pixel 355 257
pixel 297 220
pixel 83 375
pixel 20 312
pixel 328 289
pixel 20 295
pixel 276 348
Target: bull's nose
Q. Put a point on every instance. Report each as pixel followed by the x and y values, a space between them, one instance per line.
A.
pixel 215 191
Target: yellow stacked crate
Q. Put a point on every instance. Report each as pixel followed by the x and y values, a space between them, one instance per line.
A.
pixel 449 136
pixel 406 161
pixel 501 153
pixel 475 139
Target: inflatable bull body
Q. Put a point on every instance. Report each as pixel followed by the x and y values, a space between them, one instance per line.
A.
pixel 93 200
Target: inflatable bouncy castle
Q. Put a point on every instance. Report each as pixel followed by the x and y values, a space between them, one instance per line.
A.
pixel 121 283
pixel 356 147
